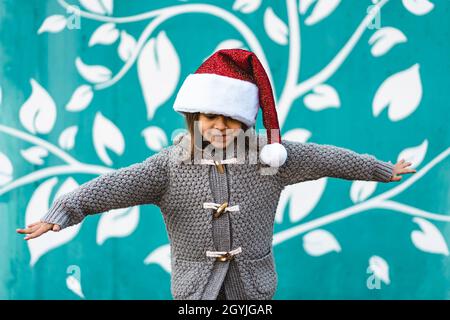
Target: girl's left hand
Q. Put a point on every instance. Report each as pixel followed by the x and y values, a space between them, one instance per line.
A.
pixel 400 168
pixel 37 229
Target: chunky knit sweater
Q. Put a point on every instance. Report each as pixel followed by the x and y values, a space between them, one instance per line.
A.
pixel 190 196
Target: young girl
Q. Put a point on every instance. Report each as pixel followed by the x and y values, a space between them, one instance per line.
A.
pixel 217 198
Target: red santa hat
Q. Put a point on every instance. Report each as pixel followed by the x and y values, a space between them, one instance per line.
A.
pixel 233 83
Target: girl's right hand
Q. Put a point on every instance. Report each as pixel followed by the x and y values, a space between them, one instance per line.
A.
pixel 37 229
pixel 400 168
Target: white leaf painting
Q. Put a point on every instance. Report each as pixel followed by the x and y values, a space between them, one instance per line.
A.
pixel 35 154
pixel 275 28
pixel 38 113
pixel 159 72
pixel 303 198
pixel 53 24
pixel 298 135
pixel 384 39
pixel 415 155
pixel 37 207
pixel 319 242
pixel 126 46
pixel 246 6
pixel 418 7
pixel 67 138
pixel 361 190
pixel 105 34
pixel 304 5
pixel 74 285
pixel 81 98
pixel 92 73
pixel 107 135
pixel 161 257
pixel 322 9
pixel 98 6
pixel 380 268
pixel 6 169
pixel 117 223
pixel 401 93
pixel 229 44
pixel 323 96
pixel 429 238
pixel 155 138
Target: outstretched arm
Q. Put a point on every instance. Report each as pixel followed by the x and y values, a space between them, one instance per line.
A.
pixel 140 183
pixel 311 161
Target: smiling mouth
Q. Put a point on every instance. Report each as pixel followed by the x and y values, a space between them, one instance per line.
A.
pixel 221 138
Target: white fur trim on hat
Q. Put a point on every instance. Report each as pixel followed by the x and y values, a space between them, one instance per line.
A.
pixel 273 154
pixel 212 93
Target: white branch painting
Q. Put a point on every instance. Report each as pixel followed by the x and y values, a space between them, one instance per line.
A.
pixel 154 52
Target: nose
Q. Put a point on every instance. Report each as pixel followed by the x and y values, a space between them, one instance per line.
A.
pixel 220 123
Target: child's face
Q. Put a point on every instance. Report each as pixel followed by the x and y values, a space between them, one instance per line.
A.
pixel 219 130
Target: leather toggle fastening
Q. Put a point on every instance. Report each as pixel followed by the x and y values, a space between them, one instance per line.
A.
pixel 224 161
pixel 219 167
pixel 219 164
pixel 220 208
pixel 224 255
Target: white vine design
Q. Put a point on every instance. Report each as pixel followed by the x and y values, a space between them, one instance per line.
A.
pixel 316 92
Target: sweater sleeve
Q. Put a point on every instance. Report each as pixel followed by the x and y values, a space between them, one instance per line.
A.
pixel 311 161
pixel 140 183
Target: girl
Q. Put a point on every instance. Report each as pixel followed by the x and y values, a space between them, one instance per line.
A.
pixel 217 198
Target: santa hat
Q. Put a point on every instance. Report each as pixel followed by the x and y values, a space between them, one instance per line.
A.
pixel 233 83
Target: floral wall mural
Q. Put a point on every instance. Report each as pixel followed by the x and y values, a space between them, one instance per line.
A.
pixel 87 86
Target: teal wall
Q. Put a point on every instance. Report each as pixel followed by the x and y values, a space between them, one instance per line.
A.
pixel 82 96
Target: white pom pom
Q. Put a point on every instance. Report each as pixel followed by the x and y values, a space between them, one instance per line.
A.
pixel 273 154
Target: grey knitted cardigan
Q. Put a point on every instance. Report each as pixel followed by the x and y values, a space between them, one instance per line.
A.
pixel 181 188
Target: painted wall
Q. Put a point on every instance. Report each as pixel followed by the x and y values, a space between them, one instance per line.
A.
pixel 90 89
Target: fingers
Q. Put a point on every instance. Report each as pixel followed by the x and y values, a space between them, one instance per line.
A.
pixel 38 228
pixel 404 170
pixel 407 164
pixel 402 163
pixel 403 166
pixel 42 229
pixel 29 230
pixel 34 223
pixel 29 227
